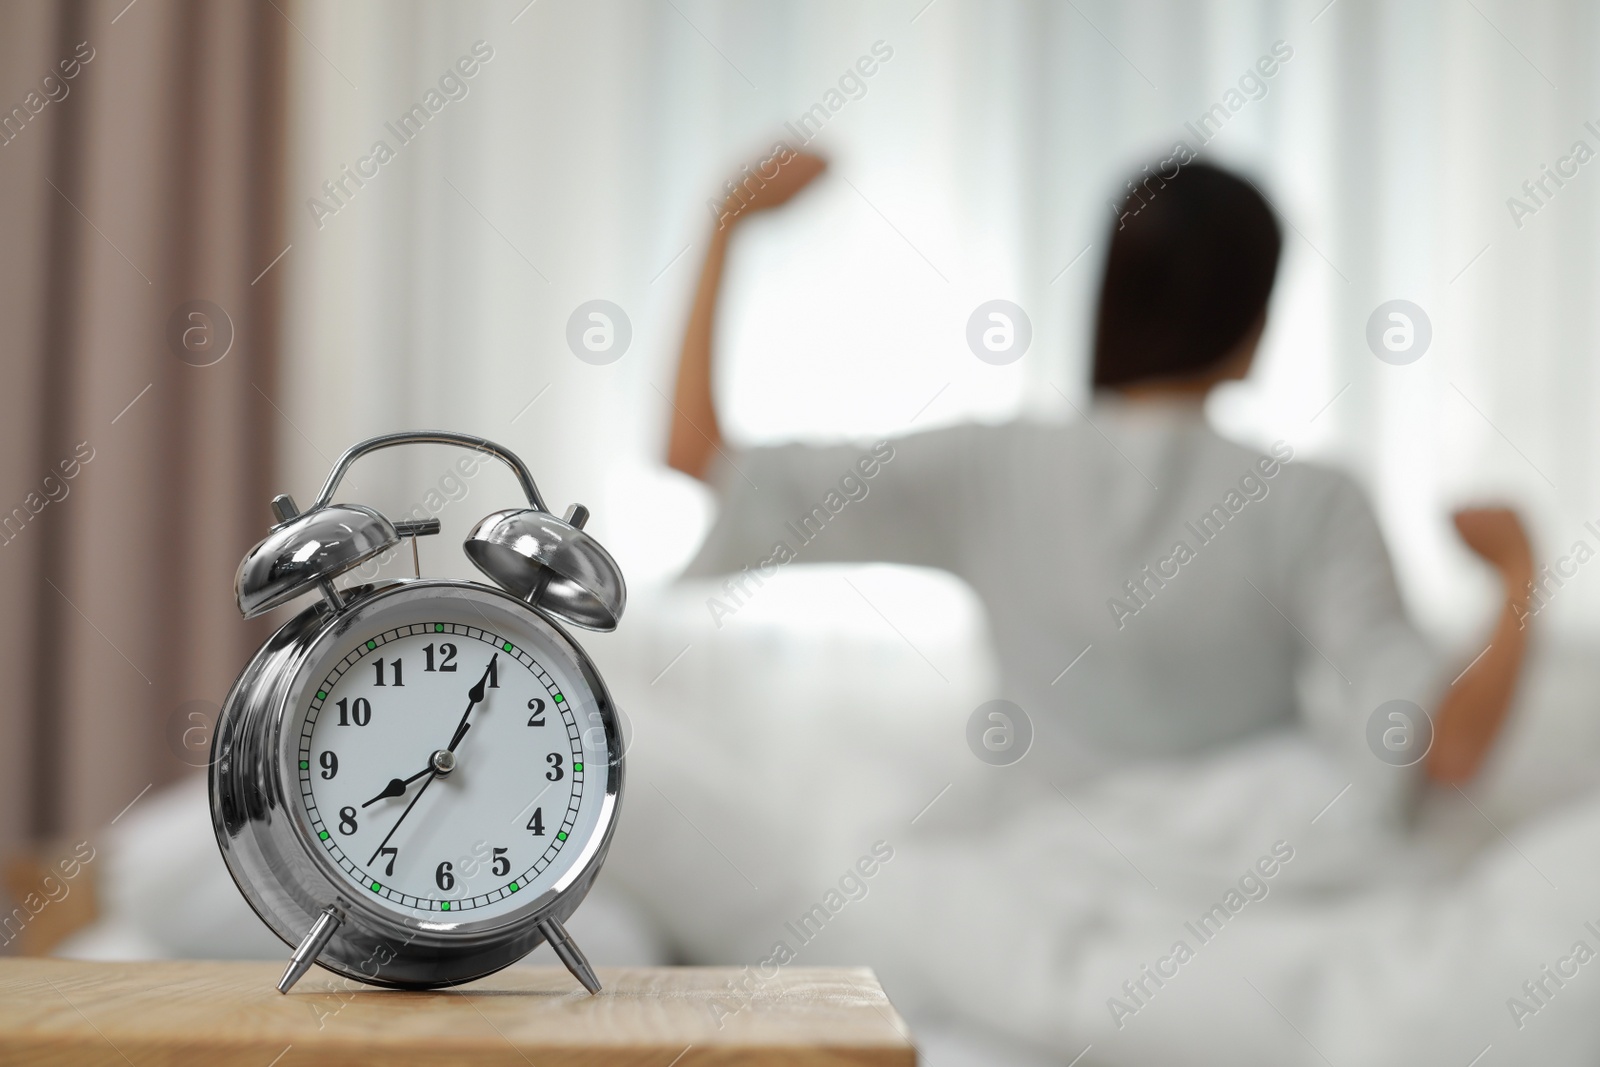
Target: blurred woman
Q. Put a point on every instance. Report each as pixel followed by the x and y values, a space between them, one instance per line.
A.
pixel 1152 588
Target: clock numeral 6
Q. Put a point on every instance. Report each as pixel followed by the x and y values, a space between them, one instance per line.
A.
pixel 502 866
pixel 444 878
pixel 555 773
pixel 361 712
pixel 347 821
pixel 537 707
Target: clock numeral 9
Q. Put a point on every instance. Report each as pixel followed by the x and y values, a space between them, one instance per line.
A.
pixel 555 773
pixel 378 666
pixel 361 712
pixel 537 707
pixel 502 866
pixel 536 824
pixel 444 878
pixel 447 658
pixel 330 764
pixel 347 821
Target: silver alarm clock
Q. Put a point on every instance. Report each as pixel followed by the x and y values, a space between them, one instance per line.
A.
pixel 415 782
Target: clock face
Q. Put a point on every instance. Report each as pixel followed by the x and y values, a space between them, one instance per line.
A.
pixel 450 771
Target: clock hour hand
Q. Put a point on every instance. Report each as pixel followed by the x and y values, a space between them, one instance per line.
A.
pixel 397 786
pixel 474 698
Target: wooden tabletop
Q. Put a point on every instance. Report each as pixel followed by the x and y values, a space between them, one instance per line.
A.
pixel 165 1014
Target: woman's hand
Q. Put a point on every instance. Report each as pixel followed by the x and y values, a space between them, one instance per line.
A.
pixel 1497 535
pixel 1473 710
pixel 772 182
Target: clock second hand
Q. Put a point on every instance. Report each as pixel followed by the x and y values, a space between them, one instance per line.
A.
pixel 432 774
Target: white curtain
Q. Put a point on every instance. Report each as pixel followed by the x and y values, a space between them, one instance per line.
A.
pixel 979 162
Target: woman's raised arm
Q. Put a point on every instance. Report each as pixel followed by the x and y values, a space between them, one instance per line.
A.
pixel 695 433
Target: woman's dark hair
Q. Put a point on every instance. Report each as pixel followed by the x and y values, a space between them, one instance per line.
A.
pixel 1189 272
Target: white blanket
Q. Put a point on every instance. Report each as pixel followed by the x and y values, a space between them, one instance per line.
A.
pixel 1025 915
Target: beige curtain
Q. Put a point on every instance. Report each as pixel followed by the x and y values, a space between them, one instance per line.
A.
pixel 140 172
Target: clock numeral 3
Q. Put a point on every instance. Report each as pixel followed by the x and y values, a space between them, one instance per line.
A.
pixel 347 821
pixel 555 773
pixel 444 878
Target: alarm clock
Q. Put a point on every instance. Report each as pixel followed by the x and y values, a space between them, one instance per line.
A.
pixel 414 782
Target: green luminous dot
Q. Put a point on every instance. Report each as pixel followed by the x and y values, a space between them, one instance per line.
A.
pixel 305 765
pixel 506 646
pixel 561 835
pixel 560 698
pixel 323 835
pixel 376 887
pixel 577 766
pixel 372 644
pixel 514 887
pixel 444 905
pixel 438 627
pixel 322 694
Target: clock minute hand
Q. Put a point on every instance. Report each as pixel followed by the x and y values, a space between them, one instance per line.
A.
pixel 442 763
pixel 474 698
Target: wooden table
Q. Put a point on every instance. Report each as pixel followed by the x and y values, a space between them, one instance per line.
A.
pixel 163 1014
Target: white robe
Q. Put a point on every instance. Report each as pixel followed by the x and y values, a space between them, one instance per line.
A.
pixel 1152 589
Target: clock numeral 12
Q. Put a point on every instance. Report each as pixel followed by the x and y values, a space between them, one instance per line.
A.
pixel 447 658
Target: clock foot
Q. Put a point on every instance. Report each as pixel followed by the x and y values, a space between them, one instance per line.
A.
pixel 315 941
pixel 567 950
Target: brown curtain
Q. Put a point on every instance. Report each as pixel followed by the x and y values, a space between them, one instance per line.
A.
pixel 131 480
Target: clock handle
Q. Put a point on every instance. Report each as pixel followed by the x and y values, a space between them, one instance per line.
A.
pixel 429 437
pixel 568 952
pixel 306 954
